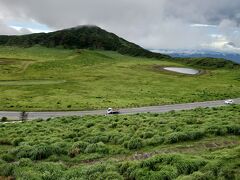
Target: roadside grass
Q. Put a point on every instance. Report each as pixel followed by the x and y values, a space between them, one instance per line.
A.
pixel 30 82
pixel 100 79
pixel 200 143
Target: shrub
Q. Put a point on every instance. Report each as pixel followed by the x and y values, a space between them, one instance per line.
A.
pixel 176 137
pixel 97 148
pixel 197 176
pixel 195 135
pixel 81 145
pixel 135 143
pixel 217 130
pixel 7 169
pixel 116 138
pixel 166 172
pixel 233 129
pixel 111 175
pixel 155 140
pixel 77 148
pixel 146 135
pixel 71 136
pixel 113 125
pixel 90 124
pixel 25 162
pixel 4 119
pixel 5 142
pixel 99 168
pixel 98 138
pixel 7 157
pixel 73 152
pixel 17 141
pixel 51 170
pixel 186 165
pixel 38 152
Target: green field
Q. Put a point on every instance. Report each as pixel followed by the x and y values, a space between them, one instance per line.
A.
pixel 39 78
pixel 194 144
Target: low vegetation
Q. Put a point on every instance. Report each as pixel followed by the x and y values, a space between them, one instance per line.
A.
pixel 194 144
pixel 209 63
pixel 39 78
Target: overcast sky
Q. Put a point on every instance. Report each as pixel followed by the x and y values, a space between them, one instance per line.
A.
pixel 153 24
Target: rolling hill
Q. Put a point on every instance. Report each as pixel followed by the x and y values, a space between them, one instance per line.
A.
pixel 80 37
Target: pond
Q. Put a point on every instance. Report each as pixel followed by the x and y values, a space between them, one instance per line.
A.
pixel 182 70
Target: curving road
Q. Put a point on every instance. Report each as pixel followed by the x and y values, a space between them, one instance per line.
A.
pixel 152 109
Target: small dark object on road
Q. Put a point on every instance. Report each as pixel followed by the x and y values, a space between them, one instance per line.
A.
pixel 23 116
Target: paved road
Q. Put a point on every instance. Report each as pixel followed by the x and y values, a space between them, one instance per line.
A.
pixel 151 109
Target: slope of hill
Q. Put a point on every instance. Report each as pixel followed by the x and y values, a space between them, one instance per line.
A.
pixel 81 37
pixel 208 63
pixel 40 78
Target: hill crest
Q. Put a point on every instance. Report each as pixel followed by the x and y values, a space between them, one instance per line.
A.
pixel 81 37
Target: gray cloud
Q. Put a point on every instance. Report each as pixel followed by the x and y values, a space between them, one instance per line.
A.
pixel 151 23
pixel 4 29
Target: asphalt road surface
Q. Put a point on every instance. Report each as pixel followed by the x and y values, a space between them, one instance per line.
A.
pixel 152 109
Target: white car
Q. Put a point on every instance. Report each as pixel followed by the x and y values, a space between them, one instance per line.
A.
pixel 111 111
pixel 229 101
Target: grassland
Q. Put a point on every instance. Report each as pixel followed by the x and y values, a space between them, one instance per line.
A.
pixel 40 78
pixel 194 144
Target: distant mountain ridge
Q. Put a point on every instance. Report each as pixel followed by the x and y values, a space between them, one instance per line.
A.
pixel 80 37
pixel 183 53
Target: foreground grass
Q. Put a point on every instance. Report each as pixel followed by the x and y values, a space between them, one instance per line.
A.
pixel 195 144
pixel 56 79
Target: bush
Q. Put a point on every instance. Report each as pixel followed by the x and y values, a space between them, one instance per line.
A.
pixel 176 137
pixel 17 141
pixel 5 142
pixel 98 138
pixel 155 140
pixel 135 143
pixel 77 148
pixel 110 176
pixel 24 162
pixel 7 157
pixel 4 119
pixel 217 130
pixel 233 129
pixel 166 172
pixel 7 169
pixel 147 135
pixel 90 124
pixel 116 138
pixel 97 148
pixel 195 135
pixel 37 152
pixel 186 165
pixel 81 145
pixel 50 170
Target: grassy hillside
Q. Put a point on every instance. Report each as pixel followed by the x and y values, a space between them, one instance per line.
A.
pixel 82 37
pixel 39 78
pixel 209 63
pixel 195 144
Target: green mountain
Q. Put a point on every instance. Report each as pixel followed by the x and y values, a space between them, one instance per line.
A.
pixel 81 37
